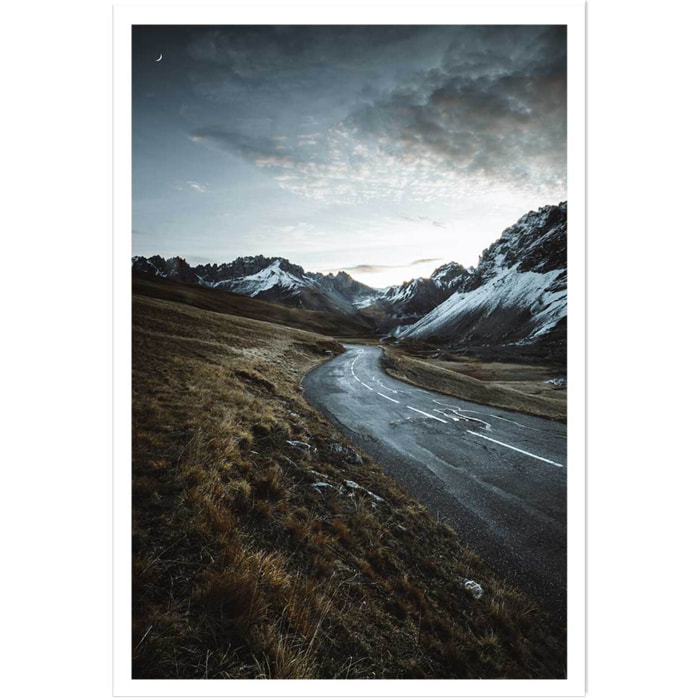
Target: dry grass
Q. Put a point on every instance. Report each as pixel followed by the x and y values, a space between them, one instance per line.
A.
pixel 511 386
pixel 245 567
pixel 225 302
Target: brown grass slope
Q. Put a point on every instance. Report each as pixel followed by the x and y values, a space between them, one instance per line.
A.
pixel 227 303
pixel 503 385
pixel 246 566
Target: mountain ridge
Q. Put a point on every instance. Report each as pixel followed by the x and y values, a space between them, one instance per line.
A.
pixel 515 296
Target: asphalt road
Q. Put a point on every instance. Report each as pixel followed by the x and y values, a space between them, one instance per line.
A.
pixel 497 477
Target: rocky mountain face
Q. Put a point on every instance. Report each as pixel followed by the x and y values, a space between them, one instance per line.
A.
pixel 401 305
pixel 172 268
pixel 515 297
pixel 269 279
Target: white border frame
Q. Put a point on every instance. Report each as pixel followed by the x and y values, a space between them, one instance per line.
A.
pixel 362 12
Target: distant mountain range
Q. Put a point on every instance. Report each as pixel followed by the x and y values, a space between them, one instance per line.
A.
pixel 515 296
pixel 269 279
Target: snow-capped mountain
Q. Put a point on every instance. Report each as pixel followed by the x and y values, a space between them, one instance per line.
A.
pixel 401 305
pixel 449 277
pixel 516 294
pixel 270 279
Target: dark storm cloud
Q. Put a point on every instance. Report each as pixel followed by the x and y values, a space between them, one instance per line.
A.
pixel 495 108
pixel 331 111
pixel 268 51
pixel 347 114
pixel 298 67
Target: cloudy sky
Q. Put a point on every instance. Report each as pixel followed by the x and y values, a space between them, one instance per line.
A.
pixel 383 151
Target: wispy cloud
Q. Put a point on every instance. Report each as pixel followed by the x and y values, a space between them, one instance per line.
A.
pixel 372 269
pixel 196 186
pixel 490 112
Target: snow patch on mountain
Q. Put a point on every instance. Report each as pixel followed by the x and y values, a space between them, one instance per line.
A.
pixel 515 296
pixel 262 281
pixel 364 302
pixel 508 289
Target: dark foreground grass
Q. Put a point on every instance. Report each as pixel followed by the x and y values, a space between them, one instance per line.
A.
pixel 264 546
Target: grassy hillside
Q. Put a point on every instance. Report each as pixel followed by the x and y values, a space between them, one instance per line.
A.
pixel 508 385
pixel 265 546
pixel 226 303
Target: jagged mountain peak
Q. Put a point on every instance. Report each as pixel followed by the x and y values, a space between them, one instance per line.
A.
pixel 269 278
pixel 537 238
pixel 450 275
pixel 447 268
pixel 516 294
pixel 342 281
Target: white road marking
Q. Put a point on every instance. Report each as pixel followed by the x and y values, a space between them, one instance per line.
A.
pixel 451 416
pixel 483 422
pixel 385 387
pixel 490 415
pixel 520 425
pixel 367 386
pixel 427 414
pixel 458 416
pixel 387 397
pixel 459 408
pixel 352 369
pixel 517 449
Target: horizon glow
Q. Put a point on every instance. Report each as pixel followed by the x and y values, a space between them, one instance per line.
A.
pixel 344 146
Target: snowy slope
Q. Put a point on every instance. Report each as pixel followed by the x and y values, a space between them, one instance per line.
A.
pixel 266 279
pixel 270 279
pixel 517 293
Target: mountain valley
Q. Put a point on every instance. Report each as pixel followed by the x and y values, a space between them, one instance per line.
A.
pixel 512 304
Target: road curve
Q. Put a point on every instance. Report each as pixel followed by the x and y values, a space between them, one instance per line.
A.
pixel 497 477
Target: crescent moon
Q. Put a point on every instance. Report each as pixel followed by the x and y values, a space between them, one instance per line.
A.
pixel 160 58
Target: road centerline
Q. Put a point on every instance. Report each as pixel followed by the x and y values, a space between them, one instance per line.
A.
pixel 517 449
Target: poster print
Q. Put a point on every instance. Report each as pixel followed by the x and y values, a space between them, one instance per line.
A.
pixel 350 264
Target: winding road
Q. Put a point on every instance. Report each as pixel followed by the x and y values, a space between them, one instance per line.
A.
pixel 497 477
